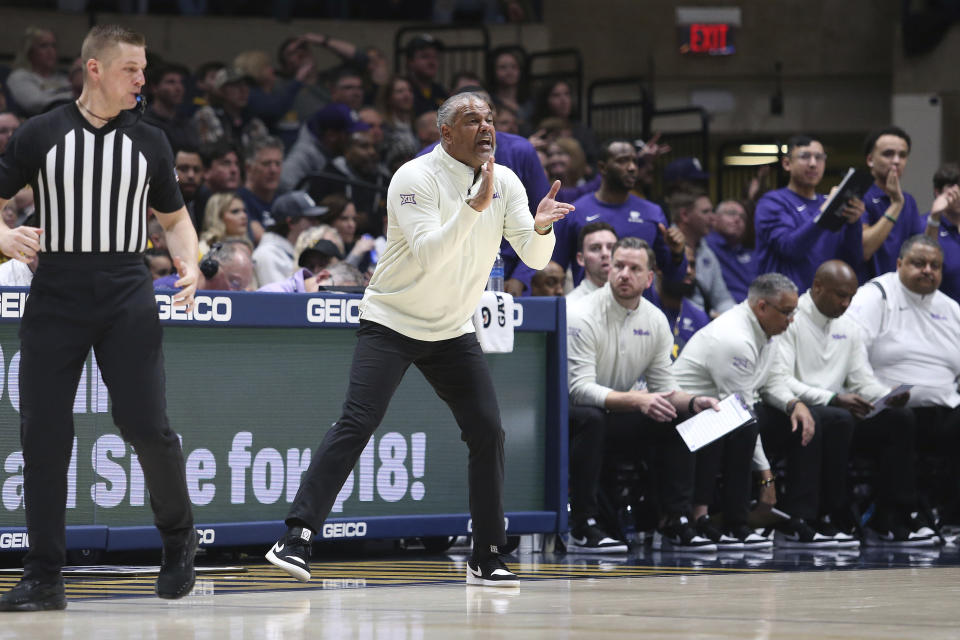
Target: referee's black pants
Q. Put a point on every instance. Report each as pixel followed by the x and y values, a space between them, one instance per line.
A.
pixel 105 302
pixel 458 372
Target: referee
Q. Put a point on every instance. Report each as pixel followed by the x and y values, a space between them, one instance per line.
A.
pixel 447 212
pixel 95 168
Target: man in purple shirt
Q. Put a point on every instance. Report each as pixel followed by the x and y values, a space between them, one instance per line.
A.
pixel 737 262
pixel 788 240
pixel 944 218
pixel 626 213
pixel 891 214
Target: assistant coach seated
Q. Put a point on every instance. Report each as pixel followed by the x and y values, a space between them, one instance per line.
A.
pixel 911 333
pixel 616 337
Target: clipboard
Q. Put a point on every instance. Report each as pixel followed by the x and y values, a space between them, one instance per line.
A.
pixel 853 185
pixel 703 428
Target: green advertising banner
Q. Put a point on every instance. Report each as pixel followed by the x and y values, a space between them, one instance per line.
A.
pixel 251 404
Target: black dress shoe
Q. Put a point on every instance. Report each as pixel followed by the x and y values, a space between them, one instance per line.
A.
pixel 31 594
pixel 176 570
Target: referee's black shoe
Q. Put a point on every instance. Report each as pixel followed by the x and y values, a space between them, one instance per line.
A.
pixel 31 594
pixel 488 570
pixel 292 553
pixel 177 575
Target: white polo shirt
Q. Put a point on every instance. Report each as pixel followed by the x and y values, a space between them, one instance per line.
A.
pixel 609 347
pixel 911 338
pixel 818 357
pixel 440 250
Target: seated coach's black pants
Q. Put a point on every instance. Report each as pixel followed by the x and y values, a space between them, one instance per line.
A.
pixel 106 302
pixel 458 372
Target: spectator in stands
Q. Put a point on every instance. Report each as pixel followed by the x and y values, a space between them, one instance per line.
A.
pixel 608 413
pixel 423 64
pixel 221 173
pixel 320 254
pixel 734 354
pixel 75 73
pixel 395 101
pixel 346 87
pixel 321 139
pixel 165 87
pixel 296 64
pixel 203 81
pixel 506 120
pixel 738 264
pixel 304 281
pixel 360 177
pixel 342 216
pixel 595 244
pixel 18 208
pixel 264 162
pixel 159 263
pixel 225 219
pixel 464 78
pixel 910 330
pixel 626 213
pixel 272 98
pixel 505 82
pixel 684 173
pixel 9 123
pixel 372 117
pixel 647 154
pixel 673 299
pixel 228 117
pixel 891 214
pixel 190 174
pixel 788 240
pixel 944 216
pixel 548 281
pixel 227 267
pixel 156 238
pixel 692 212
pixel 566 163
pixel 820 361
pixel 35 84
pixel 426 129
pixel 556 101
pixel 291 214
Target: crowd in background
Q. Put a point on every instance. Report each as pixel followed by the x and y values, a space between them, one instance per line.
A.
pixel 284 168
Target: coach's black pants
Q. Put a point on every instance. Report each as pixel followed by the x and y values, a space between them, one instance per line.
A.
pixel 730 457
pixel 458 372
pixel 106 302
pixel 597 435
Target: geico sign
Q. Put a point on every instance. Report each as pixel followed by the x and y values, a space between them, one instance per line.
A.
pixel 346 310
pixel 345 530
pixel 206 536
pixel 14 541
pixel 205 309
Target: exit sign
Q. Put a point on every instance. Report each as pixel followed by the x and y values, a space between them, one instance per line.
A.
pixel 710 39
pixel 707 30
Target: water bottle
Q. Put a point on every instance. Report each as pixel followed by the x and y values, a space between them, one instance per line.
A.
pixel 495 283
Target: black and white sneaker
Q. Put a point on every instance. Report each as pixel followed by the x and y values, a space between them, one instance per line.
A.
pixel 292 553
pixel 883 530
pixel 749 538
pixel 723 541
pixel 677 534
pixel 844 539
pixel 489 571
pixel 589 538
pixel 797 534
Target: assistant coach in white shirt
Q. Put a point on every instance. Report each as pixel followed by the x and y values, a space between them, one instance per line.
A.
pixel 447 212
pixel 911 332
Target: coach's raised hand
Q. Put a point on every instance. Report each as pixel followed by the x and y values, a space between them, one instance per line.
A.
pixel 549 210
pixel 484 196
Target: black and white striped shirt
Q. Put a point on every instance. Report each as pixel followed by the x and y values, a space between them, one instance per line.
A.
pixel 91 187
